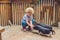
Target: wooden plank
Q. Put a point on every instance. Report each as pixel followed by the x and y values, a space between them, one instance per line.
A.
pixel 0 37
pixel 5 1
pixel 1 30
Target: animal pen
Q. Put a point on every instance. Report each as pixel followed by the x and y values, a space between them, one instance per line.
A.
pixel 45 12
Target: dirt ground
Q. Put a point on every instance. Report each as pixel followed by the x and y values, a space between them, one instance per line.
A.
pixel 15 33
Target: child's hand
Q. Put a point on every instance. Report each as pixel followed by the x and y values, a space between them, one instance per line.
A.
pixel 32 27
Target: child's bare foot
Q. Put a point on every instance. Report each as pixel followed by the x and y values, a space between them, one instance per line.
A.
pixel 24 30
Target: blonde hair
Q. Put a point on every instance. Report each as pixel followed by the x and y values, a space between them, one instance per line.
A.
pixel 29 9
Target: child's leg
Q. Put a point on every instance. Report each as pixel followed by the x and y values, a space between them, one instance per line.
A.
pixel 24 25
pixel 33 21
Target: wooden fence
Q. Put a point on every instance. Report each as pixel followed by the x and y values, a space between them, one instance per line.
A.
pixel 18 11
pixel 44 12
pixel 4 13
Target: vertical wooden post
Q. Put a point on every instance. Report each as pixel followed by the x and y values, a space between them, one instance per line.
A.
pixel 41 10
pixel 54 13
